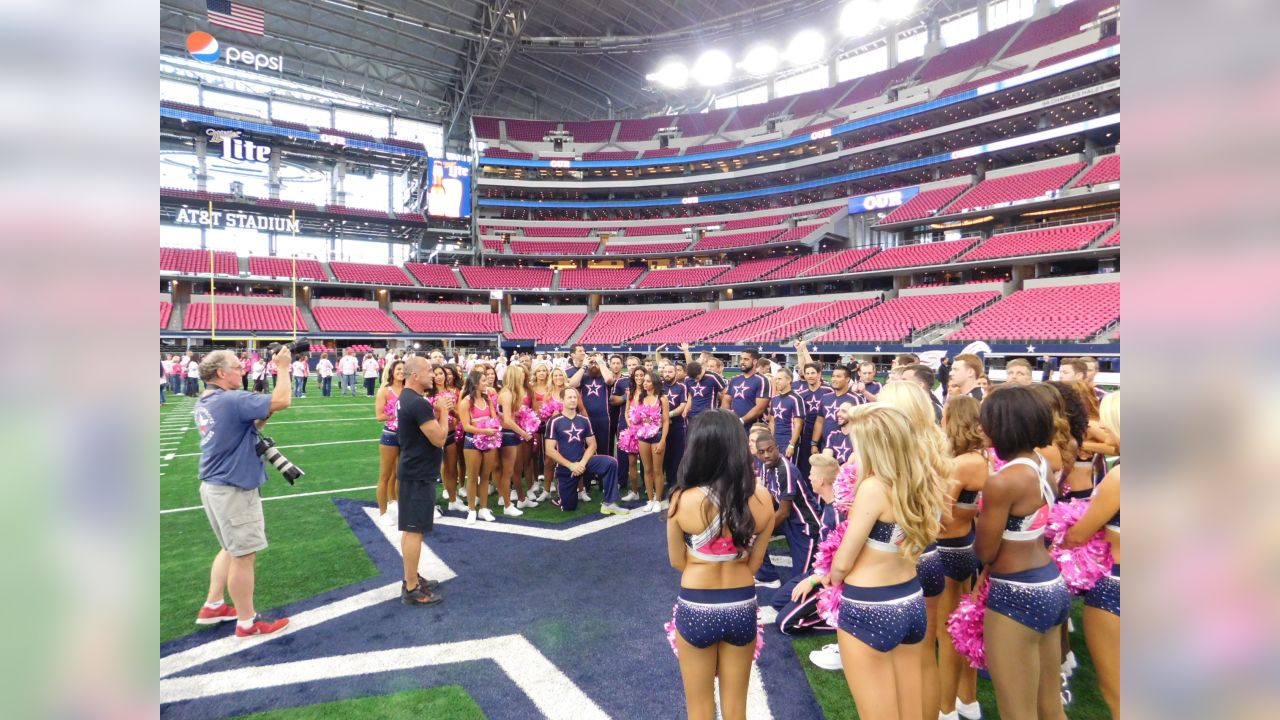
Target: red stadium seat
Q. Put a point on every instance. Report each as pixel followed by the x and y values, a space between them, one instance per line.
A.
pixel 284 267
pixel 544 328
pixel 1064 313
pixel 1060 238
pixel 340 318
pixel 612 327
pixel 681 277
pixel 369 274
pixel 896 319
pixel 438 321
pixel 598 278
pixel 242 316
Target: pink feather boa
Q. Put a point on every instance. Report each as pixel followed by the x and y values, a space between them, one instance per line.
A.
pixel 846 486
pixel 645 420
pixel 628 442
pixel 528 420
pixel 829 598
pixel 675 647
pixel 1081 566
pixel 485 442
pixel 965 627
pixel 550 409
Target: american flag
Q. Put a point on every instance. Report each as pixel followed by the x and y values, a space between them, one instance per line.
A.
pixel 235 16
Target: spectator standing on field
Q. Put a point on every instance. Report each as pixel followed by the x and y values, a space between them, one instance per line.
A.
pixel 348 366
pixel 371 368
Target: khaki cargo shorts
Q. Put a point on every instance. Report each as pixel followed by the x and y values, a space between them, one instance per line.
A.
pixel 236 517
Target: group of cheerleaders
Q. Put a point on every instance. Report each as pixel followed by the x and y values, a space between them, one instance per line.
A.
pixel 518 464
pixel 918 517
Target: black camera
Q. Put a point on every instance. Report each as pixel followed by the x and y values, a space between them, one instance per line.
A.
pixel 295 348
pixel 266 448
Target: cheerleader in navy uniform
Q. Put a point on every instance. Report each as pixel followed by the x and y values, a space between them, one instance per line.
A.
pixel 968 446
pixel 914 402
pixel 882 617
pixel 648 393
pixel 516 442
pixel 1028 600
pixel 718 530
pixel 1102 603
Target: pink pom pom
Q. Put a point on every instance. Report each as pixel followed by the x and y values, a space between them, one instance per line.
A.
pixel 550 409
pixel 965 627
pixel 829 604
pixel 627 441
pixel 828 547
pixel 485 442
pixel 996 463
pixel 645 420
pixel 759 636
pixel 1081 566
pixel 846 486
pixel 457 434
pixel 528 420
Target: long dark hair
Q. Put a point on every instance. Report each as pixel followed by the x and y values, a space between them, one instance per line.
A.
pixel 716 458
pixel 472 388
pixel 635 386
pixel 1073 406
pixel 451 376
pixel 657 385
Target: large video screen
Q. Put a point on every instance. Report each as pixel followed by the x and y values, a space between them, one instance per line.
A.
pixel 450 191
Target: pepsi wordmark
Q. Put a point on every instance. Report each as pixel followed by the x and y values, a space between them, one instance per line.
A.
pixel 204 47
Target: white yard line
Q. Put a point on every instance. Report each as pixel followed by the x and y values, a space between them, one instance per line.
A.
pixel 286 447
pixel 280 497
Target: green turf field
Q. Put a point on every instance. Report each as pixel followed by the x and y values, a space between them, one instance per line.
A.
pixel 313 550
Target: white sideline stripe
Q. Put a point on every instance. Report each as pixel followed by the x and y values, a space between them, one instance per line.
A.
pixel 304 422
pixel 286 497
pixel 286 447
pixel 554 694
pixel 757 699
pixel 565 534
pixel 429 564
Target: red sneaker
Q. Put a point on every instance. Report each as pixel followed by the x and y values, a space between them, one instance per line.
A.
pixel 213 616
pixel 262 626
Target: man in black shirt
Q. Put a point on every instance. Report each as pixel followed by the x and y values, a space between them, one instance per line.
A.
pixel 422 436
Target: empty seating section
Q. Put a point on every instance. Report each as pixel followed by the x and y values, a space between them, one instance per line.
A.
pixel 529 130
pixel 655 230
pixel 810 103
pixel 339 318
pixel 898 318
pixel 698 124
pixel 166 309
pixel 839 261
pixel 799 232
pixel 610 155
pixel 660 152
pixel 979 51
pixel 545 328
pixel 825 314
pixel 486 127
pixel 751 270
pixel 640 130
pixel 1072 312
pixel 712 147
pixel 875 85
pixel 433 275
pixel 1105 170
pixel 242 316
pixel 975 84
pixel 736 240
pixel 646 248
pixel 369 274
pixel 925 204
pixel 762 221
pixel 545 247
pixel 554 231
pixel 681 277
pixel 592 131
pixel 807 129
pixel 753 116
pixel 1022 186
pixel 610 327
pixel 921 255
pixel 197 261
pixel 507 154
pixel 362 212
pixel 441 321
pixel 1060 25
pixel 498 278
pixel 701 326
pixel 764 324
pixel 1113 241
pixel 492 244
pixel 1035 242
pixel 598 278
pixel 1063 57
pixel 801 265
pixel 825 212
pixel 284 267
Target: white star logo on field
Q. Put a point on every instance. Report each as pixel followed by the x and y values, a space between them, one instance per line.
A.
pixel 740 392
pixel 574 435
pixel 877 348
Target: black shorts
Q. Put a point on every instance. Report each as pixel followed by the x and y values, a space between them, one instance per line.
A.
pixel 417 506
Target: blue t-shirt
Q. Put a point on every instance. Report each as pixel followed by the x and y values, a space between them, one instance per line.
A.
pixel 702 393
pixel 744 391
pixel 677 395
pixel 784 408
pixel 620 389
pixel 228 437
pixel 719 381
pixel 831 402
pixel 785 483
pixel 571 436
pixel 839 444
pixel 812 400
pixel 595 396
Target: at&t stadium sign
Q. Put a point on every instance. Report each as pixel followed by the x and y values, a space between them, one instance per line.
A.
pixel 238 220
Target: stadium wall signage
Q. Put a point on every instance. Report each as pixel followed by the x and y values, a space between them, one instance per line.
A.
pixel 238 220
pixel 237 149
pixel 204 47
pixel 881 201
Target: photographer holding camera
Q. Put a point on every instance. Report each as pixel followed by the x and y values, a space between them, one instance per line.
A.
pixel 231 471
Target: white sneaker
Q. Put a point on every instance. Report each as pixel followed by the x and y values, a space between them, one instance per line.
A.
pixel 511 510
pixel 515 497
pixel 540 496
pixel 664 505
pixel 630 496
pixel 583 496
pixel 492 490
pixel 462 493
pixel 471 517
pixel 613 509
pixel 526 504
pixel 439 512
pixel 459 506
pixel 487 515
pixel 535 488
pixel 969 711
pixel 1068 665
pixel 828 658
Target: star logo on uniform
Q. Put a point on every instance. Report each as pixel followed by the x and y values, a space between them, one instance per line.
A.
pixel 813 404
pixel 698 390
pixel 574 435
pixel 778 412
pixel 671 398
pixel 594 389
pixel 740 392
pixel 830 411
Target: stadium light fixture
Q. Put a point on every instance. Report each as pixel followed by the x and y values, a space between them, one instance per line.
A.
pixel 859 18
pixel 760 60
pixel 673 74
pixel 896 9
pixel 712 68
pixel 806 47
